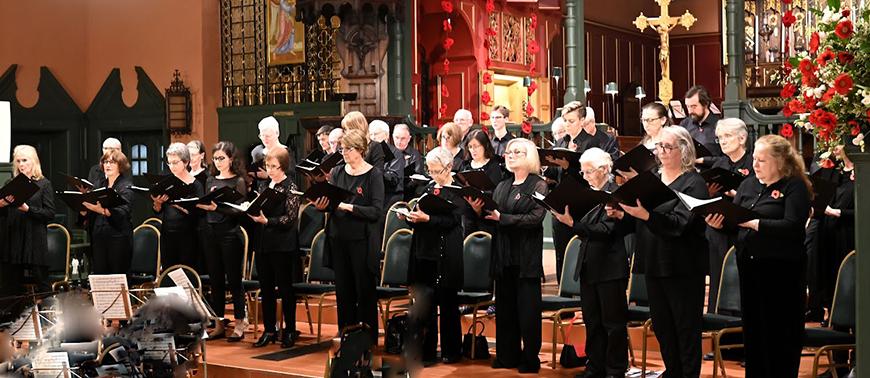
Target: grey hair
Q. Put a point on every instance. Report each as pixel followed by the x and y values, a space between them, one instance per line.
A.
pixel 557 122
pixel 590 114
pixel 112 143
pixel 597 157
pixel 684 142
pixel 401 126
pixel 269 123
pixel 463 112
pixel 379 126
pixel 180 151
pixel 441 156
pixel 734 124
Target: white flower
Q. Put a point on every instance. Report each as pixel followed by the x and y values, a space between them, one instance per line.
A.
pixel 810 92
pixel 858 140
pixel 818 92
pixel 825 155
pixel 866 101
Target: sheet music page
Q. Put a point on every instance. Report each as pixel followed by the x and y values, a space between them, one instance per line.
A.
pixel 180 278
pixel 50 364
pixel 26 328
pixel 157 346
pixel 106 293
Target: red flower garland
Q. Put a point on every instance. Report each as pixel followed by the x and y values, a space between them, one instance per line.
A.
pixel 447 27
pixel 533 49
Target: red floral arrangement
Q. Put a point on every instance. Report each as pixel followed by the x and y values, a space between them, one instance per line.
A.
pixel 447 27
pixel 828 86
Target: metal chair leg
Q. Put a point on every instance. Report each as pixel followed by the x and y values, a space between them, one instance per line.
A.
pixel 308 313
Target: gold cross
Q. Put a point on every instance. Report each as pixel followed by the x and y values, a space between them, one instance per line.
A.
pixel 663 26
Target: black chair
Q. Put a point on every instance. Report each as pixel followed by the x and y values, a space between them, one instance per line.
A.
pixel 393 223
pixel 477 285
pixel 839 334
pixel 311 221
pixel 57 256
pixel 726 318
pixel 568 299
pixel 145 264
pixel 319 282
pixel 156 222
pixel 638 309
pixel 394 274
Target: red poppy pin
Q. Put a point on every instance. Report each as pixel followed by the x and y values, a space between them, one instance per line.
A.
pixel 743 171
pixel 437 191
pixel 776 194
pixel 517 198
pixel 359 190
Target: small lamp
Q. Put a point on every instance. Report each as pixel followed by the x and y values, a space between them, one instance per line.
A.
pixel 639 93
pixel 611 89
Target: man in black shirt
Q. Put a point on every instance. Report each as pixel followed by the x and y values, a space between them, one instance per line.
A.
pixel 701 123
pixel 413 159
pixel 500 134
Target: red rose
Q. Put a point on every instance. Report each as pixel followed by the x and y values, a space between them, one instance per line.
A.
pixel 788 19
pixel 484 116
pixel 436 191
pixel 530 109
pixel 825 56
pixel 448 43
pixel 814 43
pixel 806 66
pixel 447 26
pixel 845 57
pixel 490 6
pixel 532 87
pixel 844 29
pixel 856 129
pixel 447 6
pixel 826 163
pixel 359 190
pixel 786 130
pixel 527 127
pixel 787 90
pixel 843 84
pixel 444 91
pixel 487 78
pixel 776 194
pixel 485 98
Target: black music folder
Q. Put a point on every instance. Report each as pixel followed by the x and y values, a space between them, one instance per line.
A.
pixel 725 178
pixel 222 194
pixel 76 182
pixel 640 158
pixel 107 197
pixel 388 152
pixel 169 185
pixel 579 198
pixel 701 150
pixel 474 193
pixel 435 205
pixel 734 214
pixel 648 188
pixel 311 161
pixel 476 178
pixel 20 187
pixel 314 169
pixel 557 153
pixel 334 193
pixel 823 193
pixel 268 198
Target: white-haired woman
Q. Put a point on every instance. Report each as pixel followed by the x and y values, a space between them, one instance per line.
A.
pixel 672 250
pixel 27 242
pixel 179 228
pixel 517 259
pixel 602 268
pixel 436 269
pixel 269 136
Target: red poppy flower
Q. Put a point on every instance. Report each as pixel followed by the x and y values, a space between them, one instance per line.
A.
pixel 787 131
pixel 532 66
pixel 787 90
pixel 776 194
pixel 527 127
pixel 447 26
pixel 806 67
pixel 786 111
pixel 447 6
pixel 826 163
pixel 442 111
pixel 814 43
pixel 825 56
pixel 491 32
pixel 490 6
pixel 488 63
pixel 530 109
pixel 487 78
pixel 444 91
pixel 532 87
pixel 359 190
pixel 436 191
pixel 856 129
pixel 844 29
pixel 534 48
pixel 796 106
pixel 485 97
pixel 743 171
pixel 845 57
pixel 788 19
pixel 534 22
pixel 448 43
pixel 843 83
pixel 484 116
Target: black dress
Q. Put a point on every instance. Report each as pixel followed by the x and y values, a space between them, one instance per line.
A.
pixel 223 242
pixel 518 268
pixel 672 251
pixel 178 232
pixel 837 233
pixel 27 236
pixel 771 262
pixel 436 271
pixel 112 236
pixel 353 247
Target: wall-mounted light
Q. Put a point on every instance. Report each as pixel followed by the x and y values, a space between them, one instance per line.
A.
pixel 611 89
pixel 639 93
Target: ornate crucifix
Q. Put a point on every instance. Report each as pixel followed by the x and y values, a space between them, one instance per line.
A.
pixel 663 25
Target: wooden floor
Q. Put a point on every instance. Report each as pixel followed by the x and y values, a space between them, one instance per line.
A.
pixel 237 359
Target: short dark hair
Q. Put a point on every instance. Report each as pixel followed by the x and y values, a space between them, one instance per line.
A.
pixel 118 157
pixel 483 139
pixel 703 95
pixel 661 110
pixel 281 155
pixel 502 109
pixel 325 129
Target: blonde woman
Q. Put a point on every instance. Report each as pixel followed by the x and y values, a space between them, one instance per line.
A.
pixel 27 242
pixel 374 154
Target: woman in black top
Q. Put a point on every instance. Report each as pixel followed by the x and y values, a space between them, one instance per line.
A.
pixel 771 258
pixel 436 269
pixel 479 155
pixel 603 271
pixel 26 224
pixel 224 241
pixel 278 249
pixel 198 167
pixel 112 232
pixel 352 242
pixel 732 135
pixel 671 245
pixel 179 226
pixel 449 137
pixel 838 225
pixel 517 259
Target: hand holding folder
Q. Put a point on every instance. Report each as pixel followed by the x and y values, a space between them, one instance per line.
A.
pixel 733 214
pixel 78 183
pixel 577 197
pixel 726 179
pixel 268 198
pixel 476 178
pixel 106 197
pixel 332 195
pixel 18 190
pixel 169 185
pixel 639 158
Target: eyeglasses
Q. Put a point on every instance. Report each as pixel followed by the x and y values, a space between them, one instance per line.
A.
pixel 496 117
pixel 110 162
pixel 219 158
pixel 649 120
pixel 515 152
pixel 174 162
pixel 665 147
pixel 346 149
pixel 438 172
pixel 474 146
pixel 272 166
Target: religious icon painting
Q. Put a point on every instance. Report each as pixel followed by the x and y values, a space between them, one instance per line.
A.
pixel 285 36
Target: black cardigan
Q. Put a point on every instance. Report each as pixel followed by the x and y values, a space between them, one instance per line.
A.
pixel 368 207
pixel 118 223
pixel 784 207
pixel 520 231
pixel 279 233
pixel 27 234
pixel 602 251
pixel 439 241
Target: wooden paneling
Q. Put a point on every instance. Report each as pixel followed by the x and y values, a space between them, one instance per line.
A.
pixel 697 59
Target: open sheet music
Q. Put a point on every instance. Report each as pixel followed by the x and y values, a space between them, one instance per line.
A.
pixel 51 365
pixel 180 278
pixel 109 293
pixel 28 327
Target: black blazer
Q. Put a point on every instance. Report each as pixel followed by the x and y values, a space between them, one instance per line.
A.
pixel 27 235
pixel 279 233
pixel 602 251
pixel 671 242
pixel 784 207
pixel 439 241
pixel 119 222
pixel 368 209
pixel 519 239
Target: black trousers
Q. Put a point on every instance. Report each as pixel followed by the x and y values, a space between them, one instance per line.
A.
pixel 562 234
pixel 719 245
pixel 816 289
pixel 676 308
pixel 519 319
pixel 772 294
pixel 429 300
pixel 224 263
pixel 178 247
pixel 605 313
pixel 274 270
pixel 354 285
pixel 112 253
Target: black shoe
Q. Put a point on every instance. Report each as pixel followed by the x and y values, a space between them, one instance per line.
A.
pixel 497 364
pixel 709 356
pixel 527 369
pixel 451 359
pixel 266 339
pixel 288 339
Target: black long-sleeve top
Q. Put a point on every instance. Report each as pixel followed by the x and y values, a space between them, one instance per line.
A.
pixel 784 207
pixel 496 173
pixel 27 234
pixel 279 233
pixel 500 144
pixel 671 242
pixel 225 217
pixel 359 224
pixel 394 174
pixel 602 251
pixel 175 220
pixel 519 240
pixel 583 141
pixel 440 240
pixel 704 132
pixel 119 222
pixel 375 155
